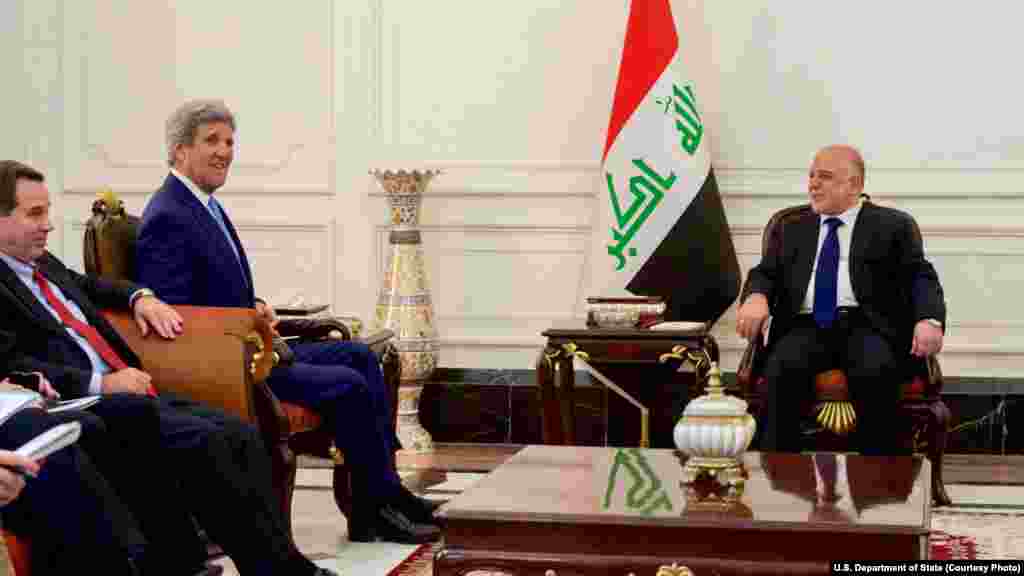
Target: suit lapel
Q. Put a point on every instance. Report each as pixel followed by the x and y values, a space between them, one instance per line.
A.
pixel 858 242
pixel 806 242
pixel 56 274
pixel 31 306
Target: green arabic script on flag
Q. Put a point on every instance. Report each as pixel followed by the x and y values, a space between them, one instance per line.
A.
pixel 645 494
pixel 647 189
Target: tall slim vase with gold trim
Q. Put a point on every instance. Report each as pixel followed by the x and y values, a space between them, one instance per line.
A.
pixel 404 305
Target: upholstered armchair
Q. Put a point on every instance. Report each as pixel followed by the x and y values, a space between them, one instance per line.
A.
pixel 927 416
pixel 288 429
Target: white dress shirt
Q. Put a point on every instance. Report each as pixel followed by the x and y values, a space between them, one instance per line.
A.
pixel 24 272
pixel 203 197
pixel 845 232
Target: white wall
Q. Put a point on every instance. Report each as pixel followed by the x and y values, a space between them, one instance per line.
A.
pixel 512 99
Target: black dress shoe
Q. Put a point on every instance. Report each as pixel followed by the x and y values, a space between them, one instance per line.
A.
pixel 394 526
pixel 390 524
pixel 146 566
pixel 324 572
pixel 415 508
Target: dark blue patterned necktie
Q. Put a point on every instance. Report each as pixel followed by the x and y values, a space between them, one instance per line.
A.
pixel 826 278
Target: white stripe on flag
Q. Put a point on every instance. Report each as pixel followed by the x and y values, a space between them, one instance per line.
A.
pixel 646 155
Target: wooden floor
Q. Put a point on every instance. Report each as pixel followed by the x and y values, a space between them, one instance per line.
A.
pixel 957 469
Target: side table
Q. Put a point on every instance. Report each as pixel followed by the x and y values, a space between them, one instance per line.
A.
pixel 630 357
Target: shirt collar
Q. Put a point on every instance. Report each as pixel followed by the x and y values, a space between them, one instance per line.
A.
pixel 20 268
pixel 848 217
pixel 203 197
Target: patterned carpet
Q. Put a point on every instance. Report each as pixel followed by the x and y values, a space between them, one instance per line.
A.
pixel 419 563
pixel 997 535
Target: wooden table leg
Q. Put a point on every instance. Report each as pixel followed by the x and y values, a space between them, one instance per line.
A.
pixel 551 419
pixel 567 397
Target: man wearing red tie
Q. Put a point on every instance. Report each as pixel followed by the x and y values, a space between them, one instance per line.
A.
pixel 199 461
pixel 848 286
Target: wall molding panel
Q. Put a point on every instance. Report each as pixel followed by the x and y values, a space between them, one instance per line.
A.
pixel 515 116
pixel 117 102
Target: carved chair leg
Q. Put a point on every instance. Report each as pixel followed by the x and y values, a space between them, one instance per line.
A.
pixel 343 489
pixel 939 417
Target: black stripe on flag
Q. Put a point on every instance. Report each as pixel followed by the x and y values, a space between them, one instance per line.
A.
pixel 695 268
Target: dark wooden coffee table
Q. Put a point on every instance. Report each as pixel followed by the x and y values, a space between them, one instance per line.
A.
pixel 557 510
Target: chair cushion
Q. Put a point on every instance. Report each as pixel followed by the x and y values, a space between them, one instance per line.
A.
pixel 301 418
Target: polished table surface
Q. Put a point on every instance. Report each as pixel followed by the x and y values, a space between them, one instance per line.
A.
pixel 573 483
pixel 600 507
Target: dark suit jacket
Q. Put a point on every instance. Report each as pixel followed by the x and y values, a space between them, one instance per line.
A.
pixel 42 343
pixel 184 257
pixel 892 281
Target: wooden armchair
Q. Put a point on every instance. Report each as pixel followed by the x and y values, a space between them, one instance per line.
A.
pixel 288 429
pixel 921 402
pixel 222 359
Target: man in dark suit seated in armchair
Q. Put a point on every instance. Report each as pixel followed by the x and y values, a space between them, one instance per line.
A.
pixel 188 252
pixel 847 286
pixel 218 464
pixel 90 507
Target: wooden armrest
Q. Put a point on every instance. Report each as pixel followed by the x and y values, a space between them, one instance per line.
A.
pixel 217 359
pixel 313 328
pixel 299 310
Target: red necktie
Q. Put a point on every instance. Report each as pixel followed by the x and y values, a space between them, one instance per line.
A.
pixel 95 339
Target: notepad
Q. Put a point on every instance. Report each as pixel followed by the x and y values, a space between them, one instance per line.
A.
pixel 60 436
pixel 76 404
pixel 13 401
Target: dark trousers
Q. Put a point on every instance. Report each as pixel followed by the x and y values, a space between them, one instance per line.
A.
pixel 343 382
pixel 872 369
pixel 222 469
pixel 168 460
pixel 75 518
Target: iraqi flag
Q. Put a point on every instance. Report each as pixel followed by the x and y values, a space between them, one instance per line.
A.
pixel 661 224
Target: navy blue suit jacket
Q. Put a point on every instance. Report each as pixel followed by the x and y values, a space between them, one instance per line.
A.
pixel 183 256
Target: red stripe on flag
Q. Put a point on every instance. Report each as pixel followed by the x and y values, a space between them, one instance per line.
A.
pixel 651 43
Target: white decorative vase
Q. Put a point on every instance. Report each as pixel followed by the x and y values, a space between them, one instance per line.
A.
pixel 404 305
pixel 714 431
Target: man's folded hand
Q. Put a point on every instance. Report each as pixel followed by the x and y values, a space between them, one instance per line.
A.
pixel 129 380
pixel 751 316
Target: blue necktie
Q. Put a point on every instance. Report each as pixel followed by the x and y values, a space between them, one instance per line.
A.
pixel 826 278
pixel 218 214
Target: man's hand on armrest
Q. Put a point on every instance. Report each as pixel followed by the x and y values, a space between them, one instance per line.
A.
pixel 151 312
pixel 751 316
pixel 267 311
